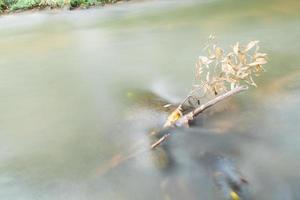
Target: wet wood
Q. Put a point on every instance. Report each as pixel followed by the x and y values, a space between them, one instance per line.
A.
pixel 186 119
pixel 182 121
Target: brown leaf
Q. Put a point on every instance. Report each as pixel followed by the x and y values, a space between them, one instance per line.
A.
pixel 236 49
pixel 205 60
pixel 251 44
pixel 260 55
pixel 258 61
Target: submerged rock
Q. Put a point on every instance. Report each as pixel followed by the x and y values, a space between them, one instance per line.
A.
pixel 226 176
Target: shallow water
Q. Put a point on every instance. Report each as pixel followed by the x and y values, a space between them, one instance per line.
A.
pixel 67 77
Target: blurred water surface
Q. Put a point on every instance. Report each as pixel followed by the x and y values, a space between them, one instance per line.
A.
pixel 65 82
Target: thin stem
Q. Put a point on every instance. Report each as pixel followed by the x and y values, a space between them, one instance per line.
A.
pixel 185 120
pixel 191 115
pixel 182 122
pixel 161 140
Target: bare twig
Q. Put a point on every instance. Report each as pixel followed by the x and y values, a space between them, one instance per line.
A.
pixel 120 159
pixel 178 112
pixel 217 72
pixel 185 120
pixel 161 140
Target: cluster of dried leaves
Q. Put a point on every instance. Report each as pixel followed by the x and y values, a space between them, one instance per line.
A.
pixel 219 72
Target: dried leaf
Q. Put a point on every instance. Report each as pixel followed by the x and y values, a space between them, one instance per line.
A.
pixel 260 55
pixel 205 60
pixel 251 44
pixel 207 77
pixel 258 61
pixel 167 105
pixel 236 49
pixel 224 71
pixel 218 52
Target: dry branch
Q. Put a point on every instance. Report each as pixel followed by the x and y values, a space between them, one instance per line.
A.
pixel 181 122
pixel 217 72
pixel 186 119
pixel 161 140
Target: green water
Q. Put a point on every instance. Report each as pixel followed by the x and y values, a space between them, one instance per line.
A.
pixel 65 82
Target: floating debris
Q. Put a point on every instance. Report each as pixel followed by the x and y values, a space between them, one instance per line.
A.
pixel 219 73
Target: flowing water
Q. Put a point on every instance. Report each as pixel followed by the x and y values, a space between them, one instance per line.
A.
pixel 67 114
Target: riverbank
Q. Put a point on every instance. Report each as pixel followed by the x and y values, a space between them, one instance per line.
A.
pixel 8 6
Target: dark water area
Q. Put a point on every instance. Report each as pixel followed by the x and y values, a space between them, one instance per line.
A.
pixel 80 89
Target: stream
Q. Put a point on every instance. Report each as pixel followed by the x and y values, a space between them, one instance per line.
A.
pixel 67 81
